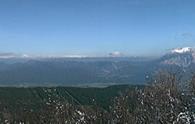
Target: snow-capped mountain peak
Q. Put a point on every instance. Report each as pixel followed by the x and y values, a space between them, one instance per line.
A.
pixel 182 50
pixel 115 54
pixel 182 57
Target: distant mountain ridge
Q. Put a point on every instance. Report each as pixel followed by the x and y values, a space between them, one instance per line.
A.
pixel 27 71
pixel 182 57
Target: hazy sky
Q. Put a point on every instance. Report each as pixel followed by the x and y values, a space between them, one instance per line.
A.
pixel 96 27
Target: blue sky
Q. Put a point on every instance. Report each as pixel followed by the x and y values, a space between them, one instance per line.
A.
pixel 96 27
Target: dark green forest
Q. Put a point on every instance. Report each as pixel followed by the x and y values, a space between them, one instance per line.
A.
pixel 162 101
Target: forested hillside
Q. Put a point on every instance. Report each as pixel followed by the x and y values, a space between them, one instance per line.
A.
pixel 164 101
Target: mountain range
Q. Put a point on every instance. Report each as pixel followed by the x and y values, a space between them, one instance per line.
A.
pixel 63 71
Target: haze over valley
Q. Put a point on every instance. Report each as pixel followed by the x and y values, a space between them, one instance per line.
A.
pixel 88 71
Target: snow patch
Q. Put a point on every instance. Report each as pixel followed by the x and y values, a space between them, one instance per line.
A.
pixel 115 54
pixel 182 50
